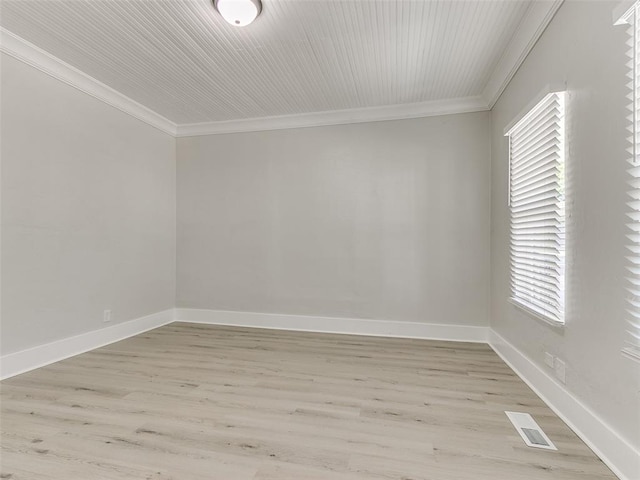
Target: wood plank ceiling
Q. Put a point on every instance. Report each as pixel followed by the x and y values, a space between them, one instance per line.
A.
pixel 180 59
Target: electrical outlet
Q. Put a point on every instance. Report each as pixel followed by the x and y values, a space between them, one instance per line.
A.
pixel 106 316
pixel 549 359
pixel 561 370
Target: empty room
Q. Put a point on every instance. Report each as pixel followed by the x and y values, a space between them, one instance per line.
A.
pixel 320 239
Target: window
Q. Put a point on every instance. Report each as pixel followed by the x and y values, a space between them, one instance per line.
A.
pixel 536 204
pixel 632 348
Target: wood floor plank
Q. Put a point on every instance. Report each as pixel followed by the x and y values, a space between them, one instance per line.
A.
pixel 188 401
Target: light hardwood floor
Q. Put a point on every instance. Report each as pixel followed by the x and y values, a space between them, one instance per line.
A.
pixel 189 401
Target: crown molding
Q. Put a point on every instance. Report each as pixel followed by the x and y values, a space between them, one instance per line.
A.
pixel 337 117
pixel 535 21
pixel 28 53
pixel 532 26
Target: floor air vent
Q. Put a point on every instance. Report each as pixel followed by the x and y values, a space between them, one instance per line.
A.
pixel 530 431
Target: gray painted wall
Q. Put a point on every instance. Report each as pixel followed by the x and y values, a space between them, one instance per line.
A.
pixel 88 212
pixel 386 220
pixel 582 48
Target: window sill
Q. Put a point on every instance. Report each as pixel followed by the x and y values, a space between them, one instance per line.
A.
pixel 537 316
pixel 632 353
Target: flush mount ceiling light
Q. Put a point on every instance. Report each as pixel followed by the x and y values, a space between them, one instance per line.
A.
pixel 238 12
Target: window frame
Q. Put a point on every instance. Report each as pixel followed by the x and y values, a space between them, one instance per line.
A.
pixel 627 14
pixel 517 126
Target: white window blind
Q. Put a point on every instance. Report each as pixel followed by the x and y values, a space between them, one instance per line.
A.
pixel 536 203
pixel 632 347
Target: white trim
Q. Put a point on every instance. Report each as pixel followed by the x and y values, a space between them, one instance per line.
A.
pixel 558 92
pixel 531 28
pixel 336 117
pixel 623 11
pixel 632 353
pixel 28 53
pixel 25 360
pixel 535 315
pixel 619 455
pixel 549 88
pixel 349 326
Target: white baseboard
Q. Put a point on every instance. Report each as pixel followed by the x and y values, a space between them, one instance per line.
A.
pixel 25 360
pixel 350 326
pixel 620 456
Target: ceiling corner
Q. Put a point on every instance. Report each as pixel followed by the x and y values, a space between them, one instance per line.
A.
pixel 531 28
pixel 18 48
pixel 338 117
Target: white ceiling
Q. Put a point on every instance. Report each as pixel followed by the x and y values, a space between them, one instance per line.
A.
pixel 182 61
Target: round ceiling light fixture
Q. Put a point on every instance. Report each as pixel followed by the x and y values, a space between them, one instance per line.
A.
pixel 238 12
